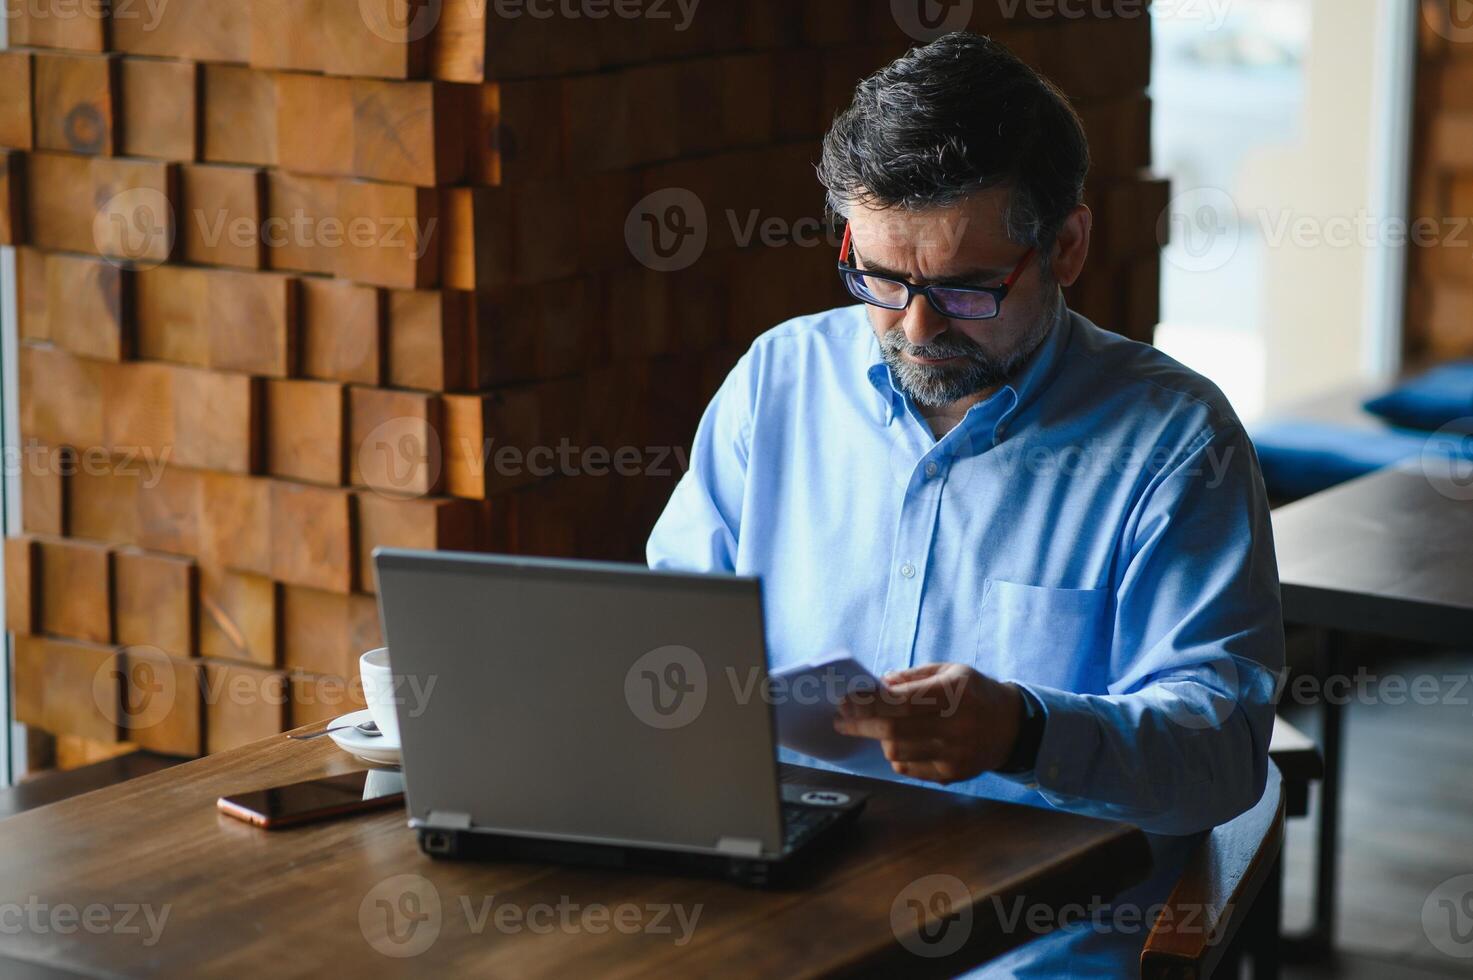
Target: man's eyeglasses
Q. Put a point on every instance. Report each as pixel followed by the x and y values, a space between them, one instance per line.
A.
pixel 954 302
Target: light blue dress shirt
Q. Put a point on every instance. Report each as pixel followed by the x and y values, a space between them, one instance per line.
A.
pixel 1096 531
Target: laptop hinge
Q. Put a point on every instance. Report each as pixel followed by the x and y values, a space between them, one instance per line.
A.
pixel 448 820
pixel 740 846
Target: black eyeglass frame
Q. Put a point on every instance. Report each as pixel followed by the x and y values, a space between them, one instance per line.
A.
pixel 850 272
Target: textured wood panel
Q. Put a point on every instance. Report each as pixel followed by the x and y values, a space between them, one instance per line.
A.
pixel 77 589
pixel 68 686
pixel 157 598
pixel 159 108
pixel 15 112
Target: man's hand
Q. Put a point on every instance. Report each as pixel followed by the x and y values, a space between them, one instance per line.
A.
pixel 942 722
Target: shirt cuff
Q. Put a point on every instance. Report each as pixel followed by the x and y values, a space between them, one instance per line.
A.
pixel 1071 737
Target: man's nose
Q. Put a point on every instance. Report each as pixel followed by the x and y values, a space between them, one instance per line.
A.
pixel 922 323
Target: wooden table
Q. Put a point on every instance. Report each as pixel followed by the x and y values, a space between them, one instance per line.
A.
pixel 1385 555
pixel 336 899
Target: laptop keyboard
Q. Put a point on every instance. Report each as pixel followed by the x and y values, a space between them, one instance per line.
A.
pixel 802 822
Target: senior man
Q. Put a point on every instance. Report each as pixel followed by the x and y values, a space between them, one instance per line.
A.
pixel 1053 542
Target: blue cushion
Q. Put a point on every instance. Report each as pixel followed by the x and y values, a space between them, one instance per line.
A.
pixel 1429 401
pixel 1300 458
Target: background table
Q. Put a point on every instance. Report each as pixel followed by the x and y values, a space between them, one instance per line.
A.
pixel 316 900
pixel 1385 555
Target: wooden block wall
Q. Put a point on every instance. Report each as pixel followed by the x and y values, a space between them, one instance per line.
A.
pixel 301 279
pixel 1439 322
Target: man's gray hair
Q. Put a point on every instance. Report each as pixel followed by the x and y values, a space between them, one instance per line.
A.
pixel 955 117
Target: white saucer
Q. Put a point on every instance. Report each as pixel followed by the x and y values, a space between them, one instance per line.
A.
pixel 378 751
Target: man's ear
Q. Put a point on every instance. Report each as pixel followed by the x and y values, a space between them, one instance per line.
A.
pixel 1071 247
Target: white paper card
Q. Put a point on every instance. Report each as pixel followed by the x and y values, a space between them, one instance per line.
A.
pixel 806 699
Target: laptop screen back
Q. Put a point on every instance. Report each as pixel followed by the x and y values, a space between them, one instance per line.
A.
pixel 580 701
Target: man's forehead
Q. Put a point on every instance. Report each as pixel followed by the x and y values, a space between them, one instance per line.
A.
pixel 977 222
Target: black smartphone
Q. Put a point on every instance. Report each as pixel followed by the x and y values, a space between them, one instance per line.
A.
pixel 317 799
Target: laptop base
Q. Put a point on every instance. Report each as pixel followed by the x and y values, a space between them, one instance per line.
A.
pixel 790 870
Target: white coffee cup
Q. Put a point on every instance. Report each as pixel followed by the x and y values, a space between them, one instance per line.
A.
pixel 380 692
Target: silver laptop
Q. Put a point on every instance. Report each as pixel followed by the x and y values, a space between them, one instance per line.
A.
pixel 591 713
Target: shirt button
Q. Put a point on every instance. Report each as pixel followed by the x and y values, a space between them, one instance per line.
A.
pixel 908 570
pixel 931 470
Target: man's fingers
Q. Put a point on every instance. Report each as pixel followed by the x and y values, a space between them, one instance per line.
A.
pixel 911 674
pixel 914 749
pixel 877 705
pixel 936 692
pixel 935 772
pixel 922 695
pixel 888 728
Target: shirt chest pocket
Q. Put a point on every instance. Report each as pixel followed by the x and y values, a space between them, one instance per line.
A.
pixel 1053 637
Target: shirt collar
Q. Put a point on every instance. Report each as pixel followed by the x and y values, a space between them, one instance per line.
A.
pixel 1007 400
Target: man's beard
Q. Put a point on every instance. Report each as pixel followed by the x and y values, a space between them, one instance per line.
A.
pixel 938 385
